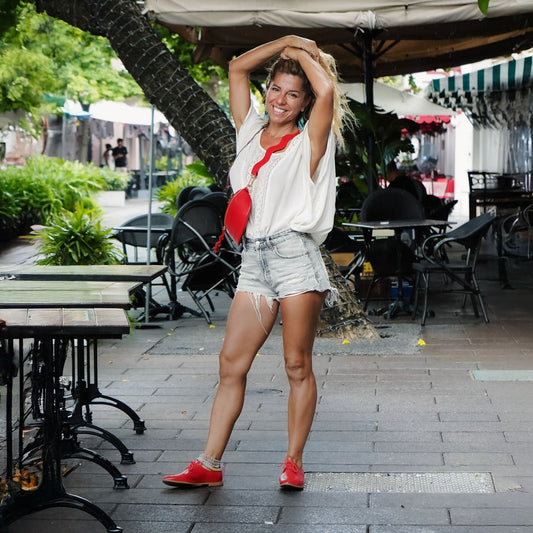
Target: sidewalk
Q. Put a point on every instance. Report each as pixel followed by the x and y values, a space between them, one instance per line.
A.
pixel 407 438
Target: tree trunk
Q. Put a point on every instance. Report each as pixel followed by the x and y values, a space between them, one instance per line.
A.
pixel 346 319
pixel 190 110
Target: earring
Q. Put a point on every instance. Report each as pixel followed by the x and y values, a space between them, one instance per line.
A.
pixel 301 123
pixel 265 116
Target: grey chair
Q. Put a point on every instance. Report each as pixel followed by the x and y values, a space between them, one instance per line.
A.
pixel 461 274
pixel 133 235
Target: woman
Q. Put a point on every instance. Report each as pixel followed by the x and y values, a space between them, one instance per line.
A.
pixel 293 202
pixel 108 157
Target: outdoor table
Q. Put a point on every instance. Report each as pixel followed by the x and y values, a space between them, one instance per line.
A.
pixel 141 273
pixel 144 274
pixel 368 227
pixel 58 294
pixel 399 224
pixel 49 329
pixel 31 293
pixel 498 198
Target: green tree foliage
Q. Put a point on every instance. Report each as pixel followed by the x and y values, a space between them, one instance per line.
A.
pixel 212 78
pixel 388 135
pixel 41 55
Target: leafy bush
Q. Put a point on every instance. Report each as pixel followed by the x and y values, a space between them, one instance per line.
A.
pixel 78 238
pixel 195 174
pixel 38 192
pixel 113 181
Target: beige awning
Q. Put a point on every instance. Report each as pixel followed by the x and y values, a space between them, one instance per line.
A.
pixel 407 36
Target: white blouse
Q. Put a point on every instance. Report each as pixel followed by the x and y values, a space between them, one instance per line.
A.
pixel 283 195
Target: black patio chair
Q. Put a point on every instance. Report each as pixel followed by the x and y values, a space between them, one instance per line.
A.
pixel 391 204
pixel 391 257
pixel 436 208
pixel 190 257
pixel 517 230
pixel 133 235
pixel 191 192
pixel 461 273
pixel 339 241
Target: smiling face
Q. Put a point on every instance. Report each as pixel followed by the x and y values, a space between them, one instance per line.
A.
pixel 286 99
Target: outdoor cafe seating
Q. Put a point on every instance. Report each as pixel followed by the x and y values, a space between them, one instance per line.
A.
pixel 190 256
pixel 394 256
pixel 133 235
pixel 460 273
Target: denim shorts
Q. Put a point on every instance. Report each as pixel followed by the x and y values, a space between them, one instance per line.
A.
pixel 281 265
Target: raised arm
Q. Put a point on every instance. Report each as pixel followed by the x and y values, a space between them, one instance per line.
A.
pixel 241 67
pixel 321 116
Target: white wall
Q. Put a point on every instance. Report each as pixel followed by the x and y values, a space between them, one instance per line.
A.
pixel 464 150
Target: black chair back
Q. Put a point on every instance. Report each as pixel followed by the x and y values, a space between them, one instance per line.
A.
pixel 471 232
pixel 137 238
pixel 391 204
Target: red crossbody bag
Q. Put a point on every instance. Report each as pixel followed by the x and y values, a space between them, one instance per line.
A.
pixel 240 203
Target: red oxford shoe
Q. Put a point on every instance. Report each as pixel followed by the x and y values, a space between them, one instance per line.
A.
pixel 195 475
pixel 292 477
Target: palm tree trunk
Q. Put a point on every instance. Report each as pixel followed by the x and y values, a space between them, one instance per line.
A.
pixel 190 110
pixel 345 319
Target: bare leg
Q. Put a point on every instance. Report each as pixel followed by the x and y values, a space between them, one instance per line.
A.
pixel 300 316
pixel 244 337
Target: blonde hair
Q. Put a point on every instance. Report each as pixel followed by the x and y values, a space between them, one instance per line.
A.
pixel 341 110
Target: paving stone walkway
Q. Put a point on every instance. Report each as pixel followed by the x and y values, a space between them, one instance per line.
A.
pixel 407 438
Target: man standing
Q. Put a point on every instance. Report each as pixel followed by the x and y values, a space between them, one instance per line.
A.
pixel 120 155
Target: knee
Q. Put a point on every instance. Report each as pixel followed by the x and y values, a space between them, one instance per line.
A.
pixel 231 368
pixel 298 368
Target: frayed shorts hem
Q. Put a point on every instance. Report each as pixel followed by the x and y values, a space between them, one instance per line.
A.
pixel 283 265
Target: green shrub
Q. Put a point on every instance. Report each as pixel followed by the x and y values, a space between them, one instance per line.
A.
pixel 38 192
pixel 78 238
pixel 113 181
pixel 192 175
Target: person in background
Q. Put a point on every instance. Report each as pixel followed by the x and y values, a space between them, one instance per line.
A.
pixel 399 179
pixel 293 206
pixel 120 155
pixel 108 157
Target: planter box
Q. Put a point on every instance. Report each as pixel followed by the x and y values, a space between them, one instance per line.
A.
pixel 111 198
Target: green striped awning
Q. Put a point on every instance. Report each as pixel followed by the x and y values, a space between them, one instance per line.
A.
pixel 495 95
pixel 511 75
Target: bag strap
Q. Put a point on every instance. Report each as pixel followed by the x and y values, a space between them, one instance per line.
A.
pixel 255 170
pixel 270 150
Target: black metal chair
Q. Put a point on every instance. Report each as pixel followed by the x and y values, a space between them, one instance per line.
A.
pixel 191 192
pixel 133 235
pixel 436 208
pixel 461 273
pixel 517 231
pixel 392 257
pixel 190 257
pixel 391 204
pixel 339 241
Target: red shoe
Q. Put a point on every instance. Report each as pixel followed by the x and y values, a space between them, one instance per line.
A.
pixel 195 475
pixel 292 477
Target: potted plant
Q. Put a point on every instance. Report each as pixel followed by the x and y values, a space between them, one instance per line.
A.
pixel 78 238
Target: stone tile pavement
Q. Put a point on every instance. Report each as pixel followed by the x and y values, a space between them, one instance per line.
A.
pixel 387 410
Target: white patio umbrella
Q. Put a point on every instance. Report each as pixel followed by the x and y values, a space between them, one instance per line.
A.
pixel 400 102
